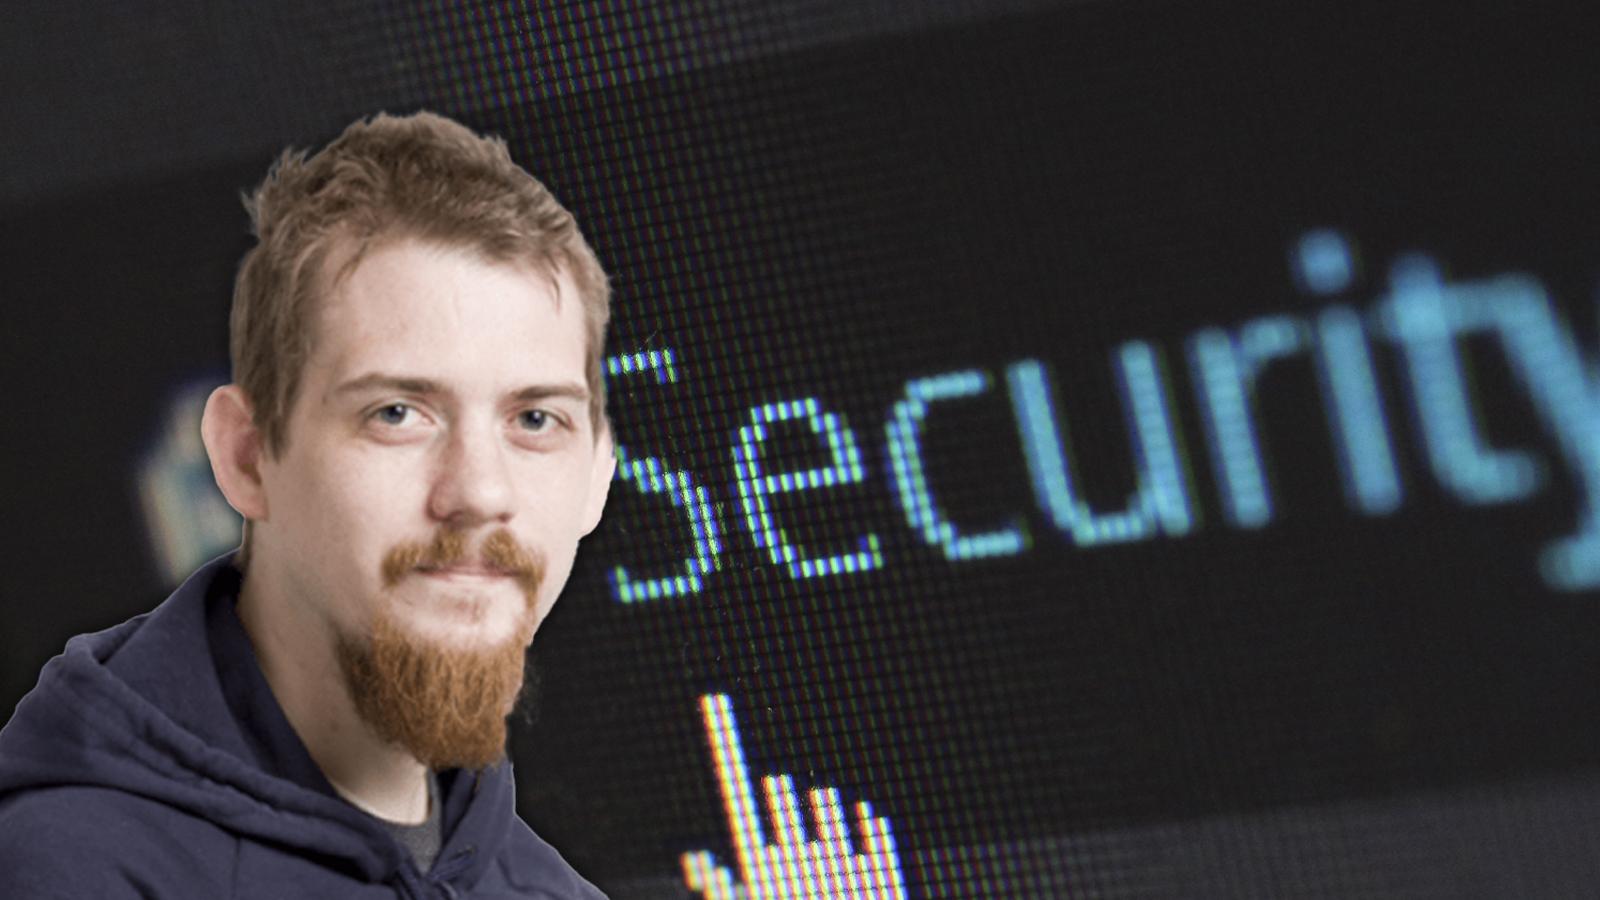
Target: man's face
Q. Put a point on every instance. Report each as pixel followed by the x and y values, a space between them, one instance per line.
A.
pixel 444 396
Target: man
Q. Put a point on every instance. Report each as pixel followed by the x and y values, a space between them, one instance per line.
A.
pixel 416 439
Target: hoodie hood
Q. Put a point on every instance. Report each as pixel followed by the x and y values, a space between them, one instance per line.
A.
pixel 172 706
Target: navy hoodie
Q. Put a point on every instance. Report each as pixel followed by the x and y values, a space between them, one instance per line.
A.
pixel 152 762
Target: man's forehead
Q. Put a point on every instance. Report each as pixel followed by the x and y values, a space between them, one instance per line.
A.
pixel 402 323
pixel 347 252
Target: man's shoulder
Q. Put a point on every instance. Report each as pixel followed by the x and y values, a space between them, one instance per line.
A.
pixel 527 862
pixel 86 841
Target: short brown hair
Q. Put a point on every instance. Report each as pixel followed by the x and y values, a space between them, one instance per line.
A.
pixel 420 176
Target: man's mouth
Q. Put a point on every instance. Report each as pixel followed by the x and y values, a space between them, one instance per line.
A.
pixel 467 572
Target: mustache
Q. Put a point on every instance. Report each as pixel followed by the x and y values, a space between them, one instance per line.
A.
pixel 499 552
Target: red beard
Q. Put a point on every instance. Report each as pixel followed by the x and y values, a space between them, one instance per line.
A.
pixel 446 706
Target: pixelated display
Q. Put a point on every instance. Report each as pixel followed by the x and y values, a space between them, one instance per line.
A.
pixel 1112 449
pixel 793 865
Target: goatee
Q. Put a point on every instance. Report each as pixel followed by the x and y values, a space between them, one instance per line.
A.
pixel 446 705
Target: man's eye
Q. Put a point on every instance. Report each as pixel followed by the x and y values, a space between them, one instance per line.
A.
pixel 535 420
pixel 393 414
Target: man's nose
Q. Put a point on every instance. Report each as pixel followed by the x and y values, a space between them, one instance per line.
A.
pixel 473 485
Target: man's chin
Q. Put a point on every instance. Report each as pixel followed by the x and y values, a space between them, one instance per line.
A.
pixel 442 696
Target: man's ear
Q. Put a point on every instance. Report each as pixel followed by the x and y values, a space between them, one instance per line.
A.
pixel 601 472
pixel 235 446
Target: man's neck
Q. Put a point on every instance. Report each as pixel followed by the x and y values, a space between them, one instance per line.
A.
pixel 297 657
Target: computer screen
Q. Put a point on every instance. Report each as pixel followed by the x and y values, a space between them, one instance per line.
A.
pixel 1113 449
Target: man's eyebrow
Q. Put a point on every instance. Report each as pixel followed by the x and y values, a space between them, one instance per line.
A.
pixel 379 381
pixel 570 390
pixel 400 384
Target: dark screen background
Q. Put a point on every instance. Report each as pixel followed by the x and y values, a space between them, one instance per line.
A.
pixel 1333 704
